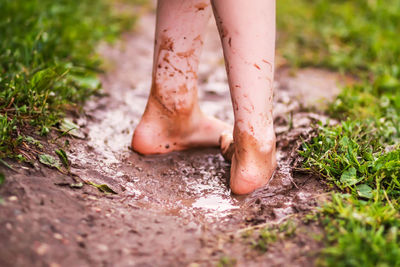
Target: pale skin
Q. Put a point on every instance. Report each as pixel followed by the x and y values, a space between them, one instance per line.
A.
pixel 173 121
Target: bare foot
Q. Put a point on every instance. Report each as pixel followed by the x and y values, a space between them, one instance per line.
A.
pixel 253 161
pixel 161 132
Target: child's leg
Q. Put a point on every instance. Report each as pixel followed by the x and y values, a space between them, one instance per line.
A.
pixel 247 30
pixel 172 119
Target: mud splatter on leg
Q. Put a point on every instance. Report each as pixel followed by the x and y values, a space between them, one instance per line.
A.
pixel 172 119
pixel 247 31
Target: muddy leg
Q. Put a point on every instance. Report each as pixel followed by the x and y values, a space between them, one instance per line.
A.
pixel 172 119
pixel 247 30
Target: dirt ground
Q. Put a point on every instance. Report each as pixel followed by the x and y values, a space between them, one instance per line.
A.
pixel 169 210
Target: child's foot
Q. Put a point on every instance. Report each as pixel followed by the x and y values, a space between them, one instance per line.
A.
pixel 253 161
pixel 160 132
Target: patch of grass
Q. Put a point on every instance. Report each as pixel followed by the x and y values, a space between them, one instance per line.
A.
pixel 345 35
pixel 351 156
pixel 47 61
pixel 226 261
pixel 360 226
pixel 261 239
pixel 266 237
pixel 365 233
pixel 361 156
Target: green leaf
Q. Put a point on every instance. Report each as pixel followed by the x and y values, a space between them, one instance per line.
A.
pixel 32 141
pixel 50 161
pixel 43 79
pixel 363 190
pixel 2 178
pixel 102 188
pixel 67 126
pixel 388 81
pixel 22 109
pixel 344 142
pixel 7 165
pixel 349 177
pixel 88 81
pixel 63 157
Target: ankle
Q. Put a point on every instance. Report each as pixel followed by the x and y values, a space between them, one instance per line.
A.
pixel 250 145
pixel 183 109
pixel 173 100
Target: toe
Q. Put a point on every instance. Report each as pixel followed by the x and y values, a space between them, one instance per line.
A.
pixel 226 145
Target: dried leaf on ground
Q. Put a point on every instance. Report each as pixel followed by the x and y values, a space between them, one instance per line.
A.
pixel 33 141
pixel 68 127
pixel 102 188
pixel 7 165
pixel 50 161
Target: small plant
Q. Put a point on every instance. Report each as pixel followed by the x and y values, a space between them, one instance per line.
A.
pixel 266 237
pixel 47 61
pixel 360 233
pixel 361 156
pixel 352 157
pixel 269 235
pixel 226 261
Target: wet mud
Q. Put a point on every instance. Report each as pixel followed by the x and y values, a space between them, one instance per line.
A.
pixel 170 210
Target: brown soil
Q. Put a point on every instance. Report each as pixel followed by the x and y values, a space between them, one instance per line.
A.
pixel 170 210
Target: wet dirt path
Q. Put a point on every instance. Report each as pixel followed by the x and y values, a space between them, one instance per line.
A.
pixel 170 210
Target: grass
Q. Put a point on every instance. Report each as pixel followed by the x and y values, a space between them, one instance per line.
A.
pixel 353 157
pixel 342 35
pixel 261 239
pixel 364 233
pixel 226 261
pixel 47 67
pixel 361 156
pixel 47 61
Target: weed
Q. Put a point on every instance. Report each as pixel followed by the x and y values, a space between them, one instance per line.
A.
pixel 269 235
pixel 352 157
pixel 345 35
pixel 361 156
pixel 363 233
pixel 47 61
pixel 266 237
pixel 226 261
pixel 63 157
pixel 32 141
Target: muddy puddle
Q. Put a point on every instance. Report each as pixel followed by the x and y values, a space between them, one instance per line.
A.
pixel 171 209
